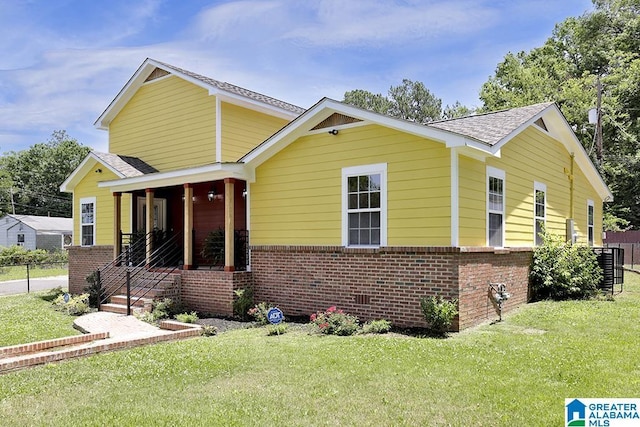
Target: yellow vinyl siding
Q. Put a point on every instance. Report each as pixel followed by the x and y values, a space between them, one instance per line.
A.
pixel 244 129
pixel 88 187
pixel 535 156
pixel 583 192
pixel 297 197
pixel 472 204
pixel 169 123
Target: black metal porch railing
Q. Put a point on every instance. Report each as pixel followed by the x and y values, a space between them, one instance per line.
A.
pixel 213 252
pixel 131 267
pixel 611 260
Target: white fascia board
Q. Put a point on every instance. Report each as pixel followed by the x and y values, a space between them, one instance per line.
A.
pixel 326 107
pixel 126 93
pixel 83 168
pixel 561 131
pixel 179 177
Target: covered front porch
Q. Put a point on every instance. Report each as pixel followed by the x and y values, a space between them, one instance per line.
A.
pixel 202 212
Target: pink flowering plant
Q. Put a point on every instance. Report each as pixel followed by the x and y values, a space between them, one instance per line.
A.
pixel 334 322
pixel 259 312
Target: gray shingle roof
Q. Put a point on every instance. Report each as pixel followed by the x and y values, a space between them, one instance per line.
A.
pixel 126 165
pixel 491 128
pixel 46 223
pixel 228 87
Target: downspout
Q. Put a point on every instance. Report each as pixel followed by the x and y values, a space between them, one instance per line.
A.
pixel 573 156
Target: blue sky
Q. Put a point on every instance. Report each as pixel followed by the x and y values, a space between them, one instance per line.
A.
pixel 63 61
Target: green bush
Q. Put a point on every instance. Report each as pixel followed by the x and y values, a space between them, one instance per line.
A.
pixel 93 289
pixel 76 306
pixel 260 312
pixel 160 309
pixel 242 302
pixel 15 255
pixel 208 331
pixel 439 314
pixel 562 270
pixel 187 317
pixel 279 329
pixel 381 326
pixel 334 322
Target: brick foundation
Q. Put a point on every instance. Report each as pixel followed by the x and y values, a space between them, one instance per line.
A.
pixel 211 292
pixel 84 260
pixel 388 282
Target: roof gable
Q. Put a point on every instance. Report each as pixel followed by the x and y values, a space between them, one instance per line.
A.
pixel 483 134
pixel 151 70
pixel 121 166
pixel 492 128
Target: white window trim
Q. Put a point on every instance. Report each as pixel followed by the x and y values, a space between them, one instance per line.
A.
pixel 591 205
pixel 538 186
pixel 378 168
pixel 500 174
pixel 84 201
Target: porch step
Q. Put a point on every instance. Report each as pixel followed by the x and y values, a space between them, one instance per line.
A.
pixel 137 302
pixel 114 308
pixel 145 292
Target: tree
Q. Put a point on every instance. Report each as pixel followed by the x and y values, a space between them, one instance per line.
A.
pixel 598 48
pixel 409 101
pixel 30 179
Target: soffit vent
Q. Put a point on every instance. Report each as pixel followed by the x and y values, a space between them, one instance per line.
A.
pixel 541 124
pixel 156 74
pixel 336 119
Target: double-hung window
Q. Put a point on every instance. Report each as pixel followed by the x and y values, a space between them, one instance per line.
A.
pixel 364 205
pixel 20 239
pixel 590 222
pixel 539 211
pixel 495 207
pixel 88 221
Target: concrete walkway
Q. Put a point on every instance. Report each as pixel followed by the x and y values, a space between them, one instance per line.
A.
pixel 103 332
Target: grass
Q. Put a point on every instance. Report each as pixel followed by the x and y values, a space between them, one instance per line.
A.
pixel 26 318
pixel 517 372
pixel 20 272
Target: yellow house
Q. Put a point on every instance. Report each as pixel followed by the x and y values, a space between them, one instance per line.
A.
pixel 340 206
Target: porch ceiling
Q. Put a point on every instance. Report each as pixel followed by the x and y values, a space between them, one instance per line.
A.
pixel 213 172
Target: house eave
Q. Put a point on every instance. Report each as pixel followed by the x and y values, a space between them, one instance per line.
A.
pixel 194 175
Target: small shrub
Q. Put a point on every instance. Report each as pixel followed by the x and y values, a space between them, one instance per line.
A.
pixel 279 329
pixel 76 306
pixel 381 326
pixel 242 302
pixel 93 289
pixel 260 312
pixel 208 331
pixel 562 270
pixel 52 294
pixel 334 322
pixel 160 309
pixel 439 313
pixel 187 317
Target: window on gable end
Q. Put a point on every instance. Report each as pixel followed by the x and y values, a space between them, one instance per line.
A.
pixel 539 211
pixel 364 213
pixel 495 207
pixel 590 222
pixel 88 221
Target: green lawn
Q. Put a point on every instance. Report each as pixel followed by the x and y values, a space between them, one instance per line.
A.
pixel 20 272
pixel 517 372
pixel 26 318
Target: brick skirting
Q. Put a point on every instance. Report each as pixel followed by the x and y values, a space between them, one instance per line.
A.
pixel 211 292
pixel 84 260
pixel 388 282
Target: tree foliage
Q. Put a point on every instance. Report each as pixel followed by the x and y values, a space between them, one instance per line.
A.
pixel 409 101
pixel 30 179
pixel 602 45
